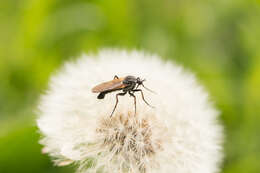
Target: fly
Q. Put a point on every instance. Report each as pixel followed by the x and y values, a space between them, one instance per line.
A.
pixel 128 84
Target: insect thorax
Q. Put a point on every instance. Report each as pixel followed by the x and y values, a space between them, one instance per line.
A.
pixel 129 80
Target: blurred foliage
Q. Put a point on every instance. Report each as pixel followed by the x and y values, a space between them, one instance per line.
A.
pixel 218 40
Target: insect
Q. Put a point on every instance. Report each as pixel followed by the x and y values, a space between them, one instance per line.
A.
pixel 128 84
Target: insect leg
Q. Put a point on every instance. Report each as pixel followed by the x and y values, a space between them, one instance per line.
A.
pixel 119 94
pixel 148 89
pixel 143 97
pixel 131 94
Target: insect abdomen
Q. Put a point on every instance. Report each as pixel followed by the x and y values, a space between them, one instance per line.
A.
pixel 101 95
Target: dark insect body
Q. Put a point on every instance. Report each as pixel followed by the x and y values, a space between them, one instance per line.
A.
pixel 128 84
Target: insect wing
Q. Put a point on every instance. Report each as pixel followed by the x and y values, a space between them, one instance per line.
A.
pixel 110 85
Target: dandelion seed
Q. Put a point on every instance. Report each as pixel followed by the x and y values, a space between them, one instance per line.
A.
pixel 180 135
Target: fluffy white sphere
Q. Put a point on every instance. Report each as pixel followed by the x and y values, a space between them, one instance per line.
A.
pixel 181 134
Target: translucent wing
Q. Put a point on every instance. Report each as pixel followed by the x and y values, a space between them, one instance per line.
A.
pixel 110 85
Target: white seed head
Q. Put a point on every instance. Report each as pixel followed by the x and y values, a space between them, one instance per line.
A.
pixel 181 134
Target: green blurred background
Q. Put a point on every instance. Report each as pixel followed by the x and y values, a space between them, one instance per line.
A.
pixel 218 40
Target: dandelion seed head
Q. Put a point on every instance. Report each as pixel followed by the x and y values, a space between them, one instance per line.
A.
pixel 181 134
pixel 134 144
